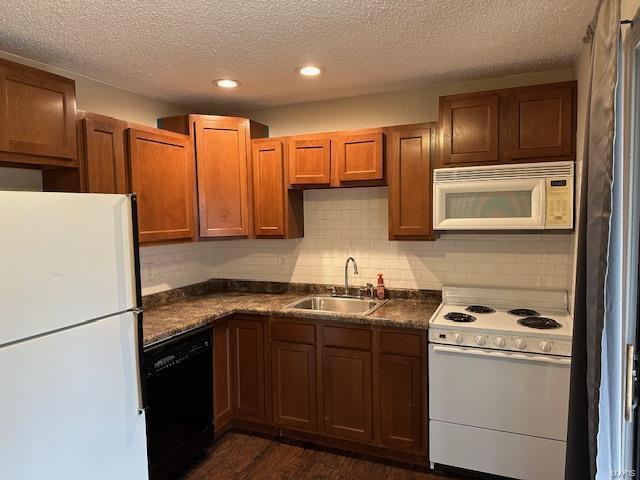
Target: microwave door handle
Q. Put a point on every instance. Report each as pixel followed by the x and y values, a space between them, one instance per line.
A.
pixel 475 352
pixel 543 202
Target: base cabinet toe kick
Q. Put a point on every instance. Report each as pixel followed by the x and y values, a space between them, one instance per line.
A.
pixel 354 387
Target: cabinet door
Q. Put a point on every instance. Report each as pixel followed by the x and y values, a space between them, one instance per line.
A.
pixel 37 114
pixel 309 161
pixel 248 366
pixel 293 377
pixel 359 156
pixel 268 188
pixel 222 375
pixel 410 187
pixel 539 123
pixel 470 129
pixel 161 166
pixel 221 160
pixel 347 393
pixel 401 402
pixel 104 161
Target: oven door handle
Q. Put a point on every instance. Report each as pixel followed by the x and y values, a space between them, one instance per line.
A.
pixel 503 355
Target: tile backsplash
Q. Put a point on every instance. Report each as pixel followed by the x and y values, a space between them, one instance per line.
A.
pixel 353 222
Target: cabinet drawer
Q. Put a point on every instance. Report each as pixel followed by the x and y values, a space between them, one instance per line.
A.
pixel 286 331
pixel 402 343
pixel 356 338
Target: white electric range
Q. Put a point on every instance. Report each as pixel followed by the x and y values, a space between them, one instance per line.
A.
pixel 499 365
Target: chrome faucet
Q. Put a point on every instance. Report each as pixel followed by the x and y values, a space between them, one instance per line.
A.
pixel 346 273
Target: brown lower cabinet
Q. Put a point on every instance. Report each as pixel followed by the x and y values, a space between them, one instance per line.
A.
pixel 401 399
pixel 293 385
pixel 355 387
pixel 222 377
pixel 247 336
pixel 348 393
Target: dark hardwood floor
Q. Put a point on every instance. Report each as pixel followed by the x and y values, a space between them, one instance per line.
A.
pixel 238 456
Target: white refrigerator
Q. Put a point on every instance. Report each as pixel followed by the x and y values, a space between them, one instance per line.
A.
pixel 71 396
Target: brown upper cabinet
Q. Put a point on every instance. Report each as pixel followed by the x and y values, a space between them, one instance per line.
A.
pixel 359 156
pixel 410 152
pixel 470 128
pixel 222 153
pixel 277 211
pixel 102 159
pixel 309 160
pixel 539 123
pixel 37 117
pixel 103 154
pixel 525 124
pixel 335 159
pixel 162 176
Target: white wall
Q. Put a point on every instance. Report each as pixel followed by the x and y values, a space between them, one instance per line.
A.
pixel 628 9
pixel 394 108
pixel 97 97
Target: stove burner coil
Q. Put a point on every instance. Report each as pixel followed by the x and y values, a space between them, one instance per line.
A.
pixel 459 317
pixel 523 312
pixel 542 323
pixel 479 309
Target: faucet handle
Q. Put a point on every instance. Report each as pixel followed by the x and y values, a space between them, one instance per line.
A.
pixel 370 289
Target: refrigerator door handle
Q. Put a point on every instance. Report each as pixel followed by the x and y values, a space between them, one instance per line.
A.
pixel 142 390
pixel 139 309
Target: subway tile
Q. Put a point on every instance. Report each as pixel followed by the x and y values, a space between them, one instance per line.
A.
pixel 343 222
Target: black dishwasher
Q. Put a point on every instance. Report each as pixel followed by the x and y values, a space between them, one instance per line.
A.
pixel 179 383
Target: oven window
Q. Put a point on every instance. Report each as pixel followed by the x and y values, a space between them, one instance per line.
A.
pixel 510 204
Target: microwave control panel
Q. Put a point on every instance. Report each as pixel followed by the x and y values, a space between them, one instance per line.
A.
pixel 559 203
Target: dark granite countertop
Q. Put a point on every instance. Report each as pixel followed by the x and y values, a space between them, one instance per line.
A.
pixel 183 312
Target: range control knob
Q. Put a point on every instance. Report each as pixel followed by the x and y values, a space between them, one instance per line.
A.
pixel 457 338
pixel 499 341
pixel 520 343
pixel 545 346
pixel 480 340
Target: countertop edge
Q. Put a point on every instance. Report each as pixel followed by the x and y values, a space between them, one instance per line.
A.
pixel 201 321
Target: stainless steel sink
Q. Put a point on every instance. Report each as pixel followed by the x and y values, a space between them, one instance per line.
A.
pixel 354 305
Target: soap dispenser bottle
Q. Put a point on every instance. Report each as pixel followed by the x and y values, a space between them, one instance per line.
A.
pixel 380 289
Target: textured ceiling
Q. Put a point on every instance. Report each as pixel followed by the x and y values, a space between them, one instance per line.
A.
pixel 172 50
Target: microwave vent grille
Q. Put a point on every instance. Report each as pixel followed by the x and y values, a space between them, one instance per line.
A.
pixel 504 172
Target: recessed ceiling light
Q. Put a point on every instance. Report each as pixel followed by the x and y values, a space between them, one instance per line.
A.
pixel 309 71
pixel 226 83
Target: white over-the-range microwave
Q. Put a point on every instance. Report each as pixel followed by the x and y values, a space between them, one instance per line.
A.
pixel 531 196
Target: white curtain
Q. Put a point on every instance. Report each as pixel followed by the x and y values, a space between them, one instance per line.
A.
pixel 589 432
pixel 609 442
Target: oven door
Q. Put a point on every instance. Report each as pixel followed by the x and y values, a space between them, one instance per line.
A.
pixel 511 392
pixel 514 204
pixel 497 412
